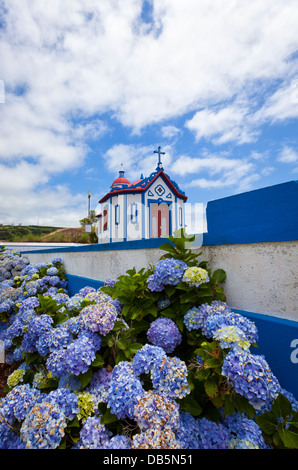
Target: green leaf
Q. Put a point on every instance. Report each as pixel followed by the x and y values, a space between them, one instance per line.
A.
pixel 134 347
pixel 121 344
pixel 86 377
pixel 170 290
pixel 74 423
pixel 218 276
pixel 289 438
pixel 229 405
pixel 108 418
pixel 211 389
pixel 294 420
pixel 31 357
pixel 98 361
pixel 167 247
pixel 109 340
pixel 281 407
pixel 190 405
pixel 277 440
pixel 267 422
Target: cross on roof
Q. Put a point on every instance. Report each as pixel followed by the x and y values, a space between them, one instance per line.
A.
pixel 159 166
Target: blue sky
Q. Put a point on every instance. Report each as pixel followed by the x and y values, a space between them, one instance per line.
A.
pixel 87 85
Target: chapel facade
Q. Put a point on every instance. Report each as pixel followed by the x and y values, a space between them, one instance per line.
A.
pixel 151 207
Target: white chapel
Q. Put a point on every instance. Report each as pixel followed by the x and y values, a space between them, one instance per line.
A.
pixel 151 207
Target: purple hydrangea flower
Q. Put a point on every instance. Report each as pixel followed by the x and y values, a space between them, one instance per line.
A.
pixel 99 317
pixel 164 333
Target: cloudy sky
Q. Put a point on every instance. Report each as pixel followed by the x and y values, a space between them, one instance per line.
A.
pixel 86 85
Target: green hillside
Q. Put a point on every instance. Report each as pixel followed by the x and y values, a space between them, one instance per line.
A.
pixel 16 233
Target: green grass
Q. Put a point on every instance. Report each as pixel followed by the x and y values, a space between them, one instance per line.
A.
pixel 21 233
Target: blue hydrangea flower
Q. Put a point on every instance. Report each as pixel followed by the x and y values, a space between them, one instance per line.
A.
pixel 86 290
pixel 99 386
pixel 38 326
pixel 212 435
pixel 9 439
pixel 52 271
pixel 93 435
pixel 156 438
pixel 43 427
pixel 188 431
pixel 154 409
pixel 81 353
pixel 119 441
pixel 28 304
pixel 56 363
pixel 147 358
pixel 125 391
pixel 70 382
pixel 164 333
pixel 66 400
pixel 17 403
pixel 244 432
pixel 164 303
pixel 196 317
pixel 74 302
pixel 110 282
pixel 250 376
pixel 167 272
pixel 231 319
pixel 170 378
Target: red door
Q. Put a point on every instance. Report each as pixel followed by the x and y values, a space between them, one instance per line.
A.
pixel 159 220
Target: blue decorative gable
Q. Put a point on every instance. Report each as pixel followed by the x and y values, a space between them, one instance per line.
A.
pixel 160 190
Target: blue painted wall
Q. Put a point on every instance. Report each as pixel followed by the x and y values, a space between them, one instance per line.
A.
pixel 275 338
pixel 264 215
pixel 75 283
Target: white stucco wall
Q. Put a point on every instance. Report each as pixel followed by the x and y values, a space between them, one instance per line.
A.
pixel 261 277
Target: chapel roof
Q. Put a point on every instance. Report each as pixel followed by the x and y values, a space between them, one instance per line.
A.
pixel 121 185
pixel 142 185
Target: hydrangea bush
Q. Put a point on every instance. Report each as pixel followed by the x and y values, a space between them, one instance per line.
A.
pixel 155 359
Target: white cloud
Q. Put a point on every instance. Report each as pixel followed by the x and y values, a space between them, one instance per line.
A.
pixel 231 172
pixel 136 160
pixel 55 206
pixel 288 155
pixel 170 131
pixel 280 106
pixel 231 123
